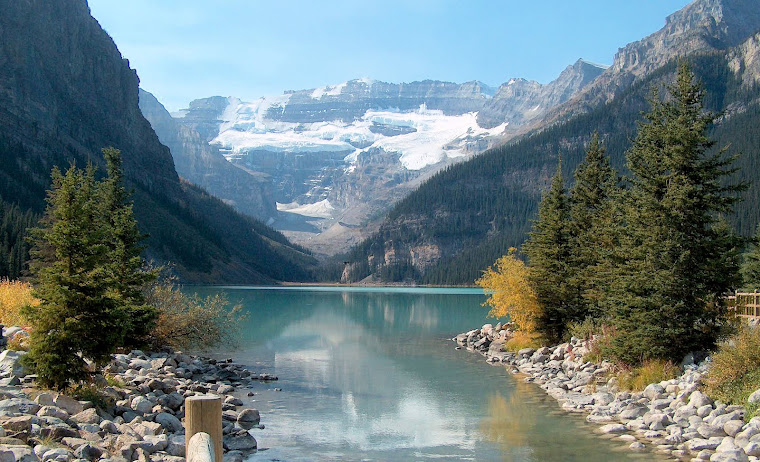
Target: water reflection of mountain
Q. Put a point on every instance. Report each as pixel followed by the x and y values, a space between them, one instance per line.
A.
pixel 371 375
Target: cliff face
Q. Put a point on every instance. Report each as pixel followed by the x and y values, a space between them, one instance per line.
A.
pixel 65 93
pixel 202 164
pixel 63 82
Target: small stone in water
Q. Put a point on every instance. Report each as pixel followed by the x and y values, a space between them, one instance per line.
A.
pixel 278 389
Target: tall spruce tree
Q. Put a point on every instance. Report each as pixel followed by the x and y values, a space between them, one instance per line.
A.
pixel 548 251
pixel 675 259
pixel 127 268
pixel 596 184
pixel 78 320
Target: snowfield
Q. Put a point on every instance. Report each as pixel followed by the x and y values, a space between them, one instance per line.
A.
pixel 436 136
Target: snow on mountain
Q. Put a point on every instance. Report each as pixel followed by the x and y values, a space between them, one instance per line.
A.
pixel 421 138
pixel 321 209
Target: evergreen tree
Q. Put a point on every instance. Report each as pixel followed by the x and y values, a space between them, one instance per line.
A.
pixel 596 184
pixel 676 259
pixel 750 269
pixel 127 272
pixel 78 320
pixel 548 251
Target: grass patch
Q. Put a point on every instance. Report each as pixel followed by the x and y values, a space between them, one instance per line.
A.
pixel 735 370
pixel 651 371
pixel 14 295
pixel 90 392
pixel 522 340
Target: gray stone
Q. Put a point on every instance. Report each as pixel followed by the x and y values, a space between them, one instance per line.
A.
pixel 736 455
pixel 141 405
pixel 89 416
pixel 699 399
pixel 53 411
pixel 17 424
pixel 242 441
pixel 653 391
pixel 109 426
pixel 172 400
pixel 88 452
pixel 248 417
pixel 526 352
pixel 68 404
pixel 159 442
pixel 637 446
pixel 22 405
pixel 710 431
pixel 44 399
pixel 20 453
pixel 754 397
pixel 698 444
pixel 54 454
pixel 176 445
pixel 10 363
pixel 613 428
pixel 633 413
pixel 752 449
pixel 169 422
pixel 732 427
pixel 704 411
pixel 140 364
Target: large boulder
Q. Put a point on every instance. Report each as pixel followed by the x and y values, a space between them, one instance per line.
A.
pixel 169 422
pixel 240 441
pixel 10 363
pixel 68 404
pixel 248 418
pixel 88 416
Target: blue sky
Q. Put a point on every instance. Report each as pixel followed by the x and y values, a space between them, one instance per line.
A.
pixel 188 49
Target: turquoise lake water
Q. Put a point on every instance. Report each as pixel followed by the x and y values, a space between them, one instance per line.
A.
pixel 371 374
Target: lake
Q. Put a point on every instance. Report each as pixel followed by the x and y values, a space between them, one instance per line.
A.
pixel 372 374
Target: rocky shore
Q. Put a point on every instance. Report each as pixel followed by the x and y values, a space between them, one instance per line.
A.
pixel 673 417
pixel 137 414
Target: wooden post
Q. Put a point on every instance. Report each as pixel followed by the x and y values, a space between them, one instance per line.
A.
pixel 204 414
pixel 200 448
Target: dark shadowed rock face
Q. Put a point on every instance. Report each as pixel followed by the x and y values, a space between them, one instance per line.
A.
pixel 65 86
pixel 65 93
pixel 204 165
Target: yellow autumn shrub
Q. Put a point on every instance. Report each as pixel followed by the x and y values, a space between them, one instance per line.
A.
pixel 510 292
pixel 14 295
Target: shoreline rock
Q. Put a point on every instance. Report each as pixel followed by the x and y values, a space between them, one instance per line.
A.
pixel 140 418
pixel 672 417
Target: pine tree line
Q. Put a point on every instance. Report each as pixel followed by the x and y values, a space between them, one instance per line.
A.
pixel 651 256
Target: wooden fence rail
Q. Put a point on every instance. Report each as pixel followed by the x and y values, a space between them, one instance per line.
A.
pixel 745 304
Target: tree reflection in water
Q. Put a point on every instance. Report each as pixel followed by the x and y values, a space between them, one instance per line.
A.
pixel 509 422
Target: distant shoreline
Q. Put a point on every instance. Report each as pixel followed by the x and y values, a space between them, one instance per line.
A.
pixel 338 284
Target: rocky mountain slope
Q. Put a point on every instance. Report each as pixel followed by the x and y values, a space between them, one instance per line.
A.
pixel 202 164
pixel 700 27
pixel 340 155
pixel 462 219
pixel 66 93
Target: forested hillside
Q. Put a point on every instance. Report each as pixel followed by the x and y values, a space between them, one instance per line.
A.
pixel 470 214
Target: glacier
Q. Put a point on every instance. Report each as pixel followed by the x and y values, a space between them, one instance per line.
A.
pixel 434 137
